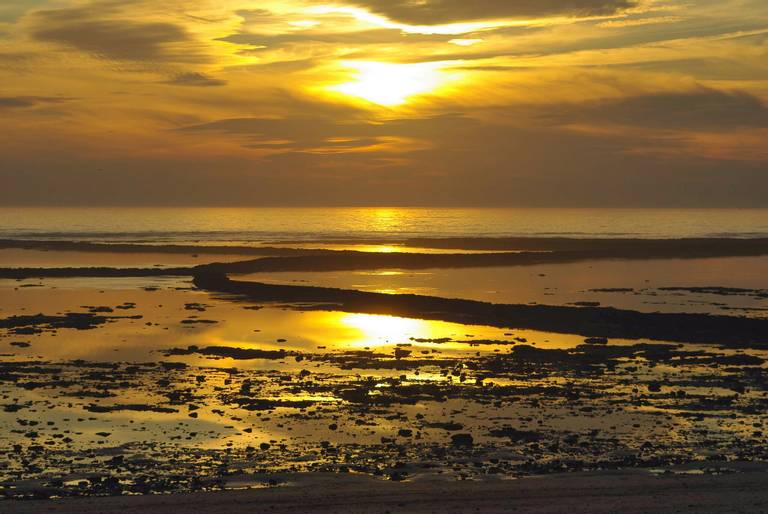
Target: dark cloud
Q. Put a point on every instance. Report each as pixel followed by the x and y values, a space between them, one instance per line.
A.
pixel 109 38
pixel 704 68
pixel 702 109
pixel 433 12
pixel 29 101
pixel 195 79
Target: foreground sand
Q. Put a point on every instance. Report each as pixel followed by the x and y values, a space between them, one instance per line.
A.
pixel 626 492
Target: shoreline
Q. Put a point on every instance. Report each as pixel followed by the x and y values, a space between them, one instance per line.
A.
pixel 526 252
pixel 527 243
pixel 629 491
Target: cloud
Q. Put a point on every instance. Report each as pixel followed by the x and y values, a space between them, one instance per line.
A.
pixel 701 109
pixel 29 101
pixel 637 22
pixel 313 133
pixel 297 134
pixel 107 37
pixel 434 12
pixel 11 10
pixel 361 37
pixel 467 162
pixel 673 123
pixel 559 111
pixel 195 79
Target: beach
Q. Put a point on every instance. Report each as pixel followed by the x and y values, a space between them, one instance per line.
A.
pixel 228 376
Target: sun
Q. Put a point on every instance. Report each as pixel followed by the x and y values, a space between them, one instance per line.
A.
pixel 391 84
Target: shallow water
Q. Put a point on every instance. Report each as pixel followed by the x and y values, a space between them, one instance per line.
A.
pixel 237 324
pixel 604 282
pixel 18 258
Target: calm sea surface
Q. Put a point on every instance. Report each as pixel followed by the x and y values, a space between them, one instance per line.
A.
pixel 242 225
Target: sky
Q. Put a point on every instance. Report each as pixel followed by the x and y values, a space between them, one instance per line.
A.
pixel 593 103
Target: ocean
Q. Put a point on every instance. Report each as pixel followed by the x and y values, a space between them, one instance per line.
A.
pixel 243 225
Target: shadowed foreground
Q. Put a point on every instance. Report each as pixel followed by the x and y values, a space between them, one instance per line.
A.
pixel 626 491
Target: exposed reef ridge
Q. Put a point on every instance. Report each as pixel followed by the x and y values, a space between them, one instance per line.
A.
pixel 729 331
pixel 587 320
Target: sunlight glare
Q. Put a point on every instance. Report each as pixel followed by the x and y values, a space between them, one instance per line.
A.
pixel 377 330
pixel 390 84
pixel 465 42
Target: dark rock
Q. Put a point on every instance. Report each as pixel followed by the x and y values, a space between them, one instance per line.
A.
pixel 462 440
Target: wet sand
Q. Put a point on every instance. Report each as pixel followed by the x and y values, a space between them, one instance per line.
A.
pixel 627 492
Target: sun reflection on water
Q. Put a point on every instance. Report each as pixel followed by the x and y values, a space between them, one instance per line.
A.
pixel 377 330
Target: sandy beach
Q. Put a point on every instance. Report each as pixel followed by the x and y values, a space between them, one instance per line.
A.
pixel 629 491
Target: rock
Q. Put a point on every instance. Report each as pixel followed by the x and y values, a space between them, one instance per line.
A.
pixel 401 353
pixel 462 440
pixel 587 304
pixel 654 387
pixel 449 426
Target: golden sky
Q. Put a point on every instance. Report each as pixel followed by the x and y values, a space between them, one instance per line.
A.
pixel 384 102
